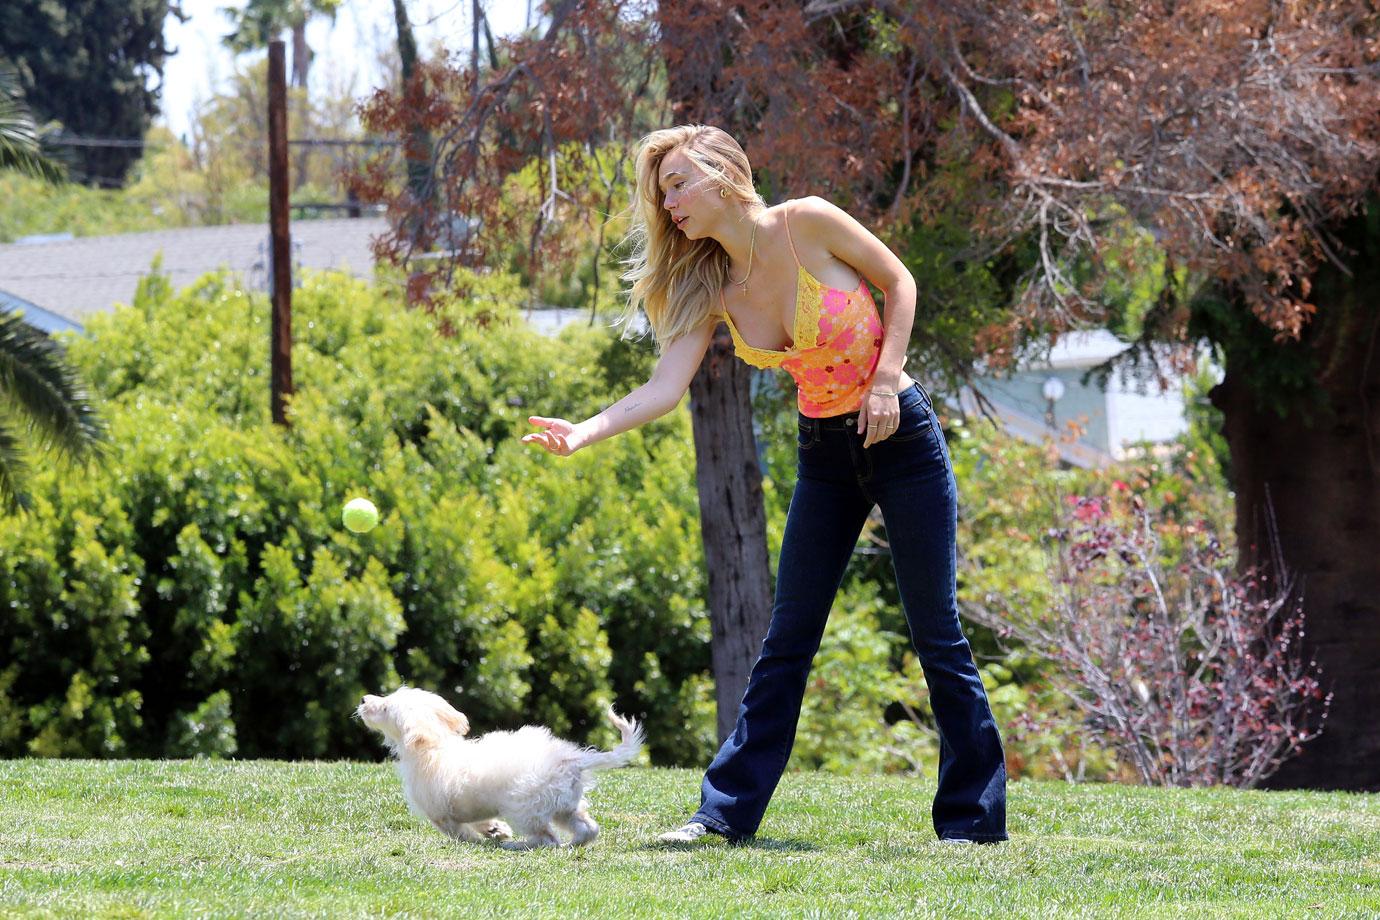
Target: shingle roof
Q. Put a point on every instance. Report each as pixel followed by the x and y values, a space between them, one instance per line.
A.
pixel 77 277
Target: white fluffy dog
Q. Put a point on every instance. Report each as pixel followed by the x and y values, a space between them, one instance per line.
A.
pixel 464 786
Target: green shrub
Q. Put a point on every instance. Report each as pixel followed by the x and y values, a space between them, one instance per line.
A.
pixel 197 595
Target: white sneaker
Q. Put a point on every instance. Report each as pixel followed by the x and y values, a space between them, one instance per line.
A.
pixel 958 840
pixel 686 833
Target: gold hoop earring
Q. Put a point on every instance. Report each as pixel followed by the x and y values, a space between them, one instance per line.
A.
pixel 723 192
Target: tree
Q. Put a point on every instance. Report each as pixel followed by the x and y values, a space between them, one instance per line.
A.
pixel 1300 417
pixel 260 21
pixel 1246 136
pixel 88 65
pixel 38 386
pixel 696 43
pixel 229 135
pixel 418 139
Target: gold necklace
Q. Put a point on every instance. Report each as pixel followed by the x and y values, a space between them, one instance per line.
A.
pixel 752 246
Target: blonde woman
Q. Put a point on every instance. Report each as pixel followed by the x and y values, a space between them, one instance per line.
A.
pixel 789 282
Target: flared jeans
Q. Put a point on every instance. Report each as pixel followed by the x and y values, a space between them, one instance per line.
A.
pixel 910 477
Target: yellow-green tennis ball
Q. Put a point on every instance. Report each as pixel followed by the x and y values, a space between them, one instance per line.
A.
pixel 360 515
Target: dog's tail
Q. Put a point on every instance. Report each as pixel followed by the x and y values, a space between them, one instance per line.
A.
pixel 626 750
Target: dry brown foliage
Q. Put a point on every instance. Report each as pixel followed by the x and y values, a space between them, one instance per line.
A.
pixel 1237 131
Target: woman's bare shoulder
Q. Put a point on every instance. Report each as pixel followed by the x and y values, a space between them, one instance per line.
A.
pixel 815 221
pixel 796 207
pixel 814 210
pixel 796 211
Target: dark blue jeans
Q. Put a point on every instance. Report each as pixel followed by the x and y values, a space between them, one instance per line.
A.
pixel 910 477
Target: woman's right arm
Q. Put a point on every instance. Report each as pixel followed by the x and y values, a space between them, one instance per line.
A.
pixel 659 395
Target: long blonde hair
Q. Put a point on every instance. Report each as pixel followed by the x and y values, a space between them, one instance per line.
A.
pixel 675 280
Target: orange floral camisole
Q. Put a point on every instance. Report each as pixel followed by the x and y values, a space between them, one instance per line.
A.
pixel 837 339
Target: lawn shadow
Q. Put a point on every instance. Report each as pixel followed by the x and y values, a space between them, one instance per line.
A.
pixel 780 845
pixel 785 845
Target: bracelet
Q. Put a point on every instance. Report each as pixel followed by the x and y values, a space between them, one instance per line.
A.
pixel 880 393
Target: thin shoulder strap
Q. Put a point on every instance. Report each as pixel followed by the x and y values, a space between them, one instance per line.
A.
pixel 786 213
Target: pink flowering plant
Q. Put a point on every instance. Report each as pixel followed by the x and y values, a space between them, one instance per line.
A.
pixel 1188 673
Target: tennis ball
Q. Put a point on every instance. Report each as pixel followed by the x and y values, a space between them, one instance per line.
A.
pixel 360 515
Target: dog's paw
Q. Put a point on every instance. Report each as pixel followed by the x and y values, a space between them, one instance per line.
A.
pixel 496 830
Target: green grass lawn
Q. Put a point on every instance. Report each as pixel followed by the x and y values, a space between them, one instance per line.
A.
pixel 131 838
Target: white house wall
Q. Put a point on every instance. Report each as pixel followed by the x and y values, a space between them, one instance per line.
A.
pixel 1154 415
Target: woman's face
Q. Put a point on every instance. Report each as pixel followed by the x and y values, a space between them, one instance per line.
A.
pixel 691 199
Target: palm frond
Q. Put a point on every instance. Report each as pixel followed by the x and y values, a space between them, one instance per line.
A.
pixel 20 146
pixel 12 472
pixel 36 380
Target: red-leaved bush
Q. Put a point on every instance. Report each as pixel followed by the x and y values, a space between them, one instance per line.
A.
pixel 1189 673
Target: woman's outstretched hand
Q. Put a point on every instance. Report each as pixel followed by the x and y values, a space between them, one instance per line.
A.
pixel 557 435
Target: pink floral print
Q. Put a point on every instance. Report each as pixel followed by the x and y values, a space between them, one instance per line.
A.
pixel 834 372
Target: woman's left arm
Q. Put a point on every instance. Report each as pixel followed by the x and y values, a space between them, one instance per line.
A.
pixel 825 226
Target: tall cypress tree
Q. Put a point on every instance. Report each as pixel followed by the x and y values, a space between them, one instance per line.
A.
pixel 95 66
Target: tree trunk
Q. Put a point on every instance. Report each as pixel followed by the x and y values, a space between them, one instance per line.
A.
pixel 733 521
pixel 419 146
pixel 301 63
pixel 301 55
pixel 1318 470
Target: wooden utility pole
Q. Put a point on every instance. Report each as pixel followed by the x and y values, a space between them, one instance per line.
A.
pixel 280 365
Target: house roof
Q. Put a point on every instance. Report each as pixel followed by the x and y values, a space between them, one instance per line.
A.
pixel 72 278
pixel 1087 348
pixel 35 315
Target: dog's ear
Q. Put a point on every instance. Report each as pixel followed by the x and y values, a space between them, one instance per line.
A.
pixel 418 738
pixel 452 718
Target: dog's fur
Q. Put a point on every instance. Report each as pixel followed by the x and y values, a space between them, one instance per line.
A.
pixel 468 787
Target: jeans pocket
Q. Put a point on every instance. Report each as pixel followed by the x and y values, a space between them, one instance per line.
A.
pixel 919 395
pixel 914 423
pixel 806 436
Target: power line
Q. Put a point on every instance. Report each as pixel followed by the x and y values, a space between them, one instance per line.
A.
pixel 341 142
pixel 70 140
